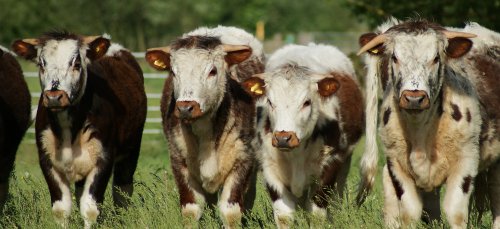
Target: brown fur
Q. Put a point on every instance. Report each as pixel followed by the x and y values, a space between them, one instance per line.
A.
pixel 15 109
pixel 114 105
pixel 201 42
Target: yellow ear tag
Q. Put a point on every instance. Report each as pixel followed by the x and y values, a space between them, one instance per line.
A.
pixel 257 89
pixel 374 51
pixel 160 64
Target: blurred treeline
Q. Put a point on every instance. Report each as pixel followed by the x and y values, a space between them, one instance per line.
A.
pixel 140 24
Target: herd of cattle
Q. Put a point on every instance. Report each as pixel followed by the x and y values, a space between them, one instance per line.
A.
pixel 229 112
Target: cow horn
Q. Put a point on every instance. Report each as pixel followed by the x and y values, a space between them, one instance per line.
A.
pixel 232 48
pixel 165 49
pixel 380 39
pixel 453 34
pixel 31 41
pixel 89 39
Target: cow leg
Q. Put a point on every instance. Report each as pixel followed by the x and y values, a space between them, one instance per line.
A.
pixel 332 182
pixel 191 195
pixel 402 204
pixel 459 187
pixel 231 200
pixel 494 190
pixel 93 191
pixel 432 206
pixel 283 207
pixel 6 166
pixel 123 173
pixel 60 193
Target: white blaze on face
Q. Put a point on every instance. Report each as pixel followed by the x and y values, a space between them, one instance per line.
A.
pixel 415 62
pixel 62 66
pixel 292 103
pixel 200 76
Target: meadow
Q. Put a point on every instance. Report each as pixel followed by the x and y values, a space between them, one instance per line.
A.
pixel 155 202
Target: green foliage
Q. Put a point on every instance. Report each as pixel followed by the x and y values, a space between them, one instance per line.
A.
pixel 141 24
pixel 445 12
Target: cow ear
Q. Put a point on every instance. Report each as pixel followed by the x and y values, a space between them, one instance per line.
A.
pixel 255 86
pixel 159 58
pixel 26 48
pixel 98 46
pixel 328 86
pixel 458 46
pixel 236 53
pixel 367 37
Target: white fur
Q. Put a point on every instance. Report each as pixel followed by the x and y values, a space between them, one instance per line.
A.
pixel 193 210
pixel 232 36
pixel 114 48
pixel 61 209
pixel 320 59
pixel 88 206
pixel 231 214
pixel 283 213
pixel 57 59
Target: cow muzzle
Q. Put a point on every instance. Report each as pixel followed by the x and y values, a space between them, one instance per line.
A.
pixel 414 100
pixel 56 100
pixel 187 110
pixel 285 140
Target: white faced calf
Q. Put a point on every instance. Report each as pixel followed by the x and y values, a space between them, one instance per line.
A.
pixel 310 116
pixel 209 122
pixel 433 121
pixel 89 121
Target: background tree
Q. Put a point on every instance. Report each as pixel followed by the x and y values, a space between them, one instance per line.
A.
pixel 445 12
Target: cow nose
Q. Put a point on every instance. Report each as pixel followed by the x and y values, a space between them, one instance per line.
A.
pixel 187 110
pixel 285 140
pixel 55 99
pixel 414 100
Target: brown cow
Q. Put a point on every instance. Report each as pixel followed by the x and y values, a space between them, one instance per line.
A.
pixel 15 118
pixel 89 121
pixel 209 119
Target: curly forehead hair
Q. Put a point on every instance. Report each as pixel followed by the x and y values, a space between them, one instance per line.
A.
pixel 58 36
pixel 202 42
pixel 416 26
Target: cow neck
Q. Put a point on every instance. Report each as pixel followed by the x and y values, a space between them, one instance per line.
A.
pixel 423 122
pixel 72 118
pixel 216 119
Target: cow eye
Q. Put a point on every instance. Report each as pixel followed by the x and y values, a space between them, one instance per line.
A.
pixel 213 72
pixel 78 65
pixel 307 103
pixel 394 59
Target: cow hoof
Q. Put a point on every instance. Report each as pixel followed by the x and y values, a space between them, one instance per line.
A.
pixel 61 212
pixel 191 212
pixel 231 214
pixel 89 210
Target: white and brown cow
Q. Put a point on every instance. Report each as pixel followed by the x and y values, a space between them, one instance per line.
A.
pixel 89 121
pixel 208 118
pixel 15 118
pixel 439 117
pixel 310 115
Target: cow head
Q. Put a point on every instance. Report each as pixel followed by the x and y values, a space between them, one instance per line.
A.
pixel 416 53
pixel 62 60
pixel 199 66
pixel 292 97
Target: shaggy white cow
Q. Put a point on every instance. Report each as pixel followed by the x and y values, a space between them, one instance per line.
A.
pixel 439 120
pixel 310 115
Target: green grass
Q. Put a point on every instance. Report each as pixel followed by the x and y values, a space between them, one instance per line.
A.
pixel 155 202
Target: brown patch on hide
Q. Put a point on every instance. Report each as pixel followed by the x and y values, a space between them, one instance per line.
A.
pixel 397 185
pixel 456 112
pixel 466 184
pixel 387 114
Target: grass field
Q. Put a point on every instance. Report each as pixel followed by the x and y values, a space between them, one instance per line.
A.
pixel 155 199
